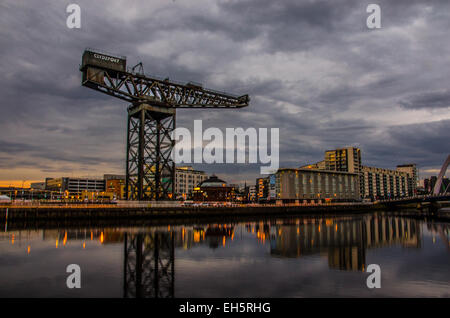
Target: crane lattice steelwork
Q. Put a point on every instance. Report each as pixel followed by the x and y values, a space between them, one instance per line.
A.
pixel 150 169
pixel 149 265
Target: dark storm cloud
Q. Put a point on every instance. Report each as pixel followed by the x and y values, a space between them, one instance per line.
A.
pixel 312 69
pixel 428 100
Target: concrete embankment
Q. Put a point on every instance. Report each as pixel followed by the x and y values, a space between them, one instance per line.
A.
pixel 117 212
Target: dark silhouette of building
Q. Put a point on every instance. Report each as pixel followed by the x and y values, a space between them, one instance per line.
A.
pixel 213 189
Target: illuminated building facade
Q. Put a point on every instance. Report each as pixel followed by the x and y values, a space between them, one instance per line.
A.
pixel 74 186
pixel 382 183
pixel 262 188
pixel 346 159
pixel 307 185
pixel 372 182
pixel 315 166
pixel 115 184
pixel 213 189
pixel 411 170
pixel 186 179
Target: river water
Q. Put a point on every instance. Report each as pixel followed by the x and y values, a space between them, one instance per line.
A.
pixel 289 257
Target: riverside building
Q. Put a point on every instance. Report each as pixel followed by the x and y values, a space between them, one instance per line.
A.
pixel 186 179
pixel 382 183
pixel 75 186
pixel 373 182
pixel 411 170
pixel 305 185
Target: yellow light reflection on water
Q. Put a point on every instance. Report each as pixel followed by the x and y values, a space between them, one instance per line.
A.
pixel 101 238
pixel 196 236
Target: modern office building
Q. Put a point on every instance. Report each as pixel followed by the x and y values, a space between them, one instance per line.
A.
pixel 385 183
pixel 115 184
pixel 186 179
pixel 307 185
pixel 37 185
pixel 74 186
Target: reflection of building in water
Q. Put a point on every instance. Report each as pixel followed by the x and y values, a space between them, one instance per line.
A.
pixel 442 230
pixel 383 231
pixel 218 235
pixel 348 258
pixel 149 266
pixel 344 241
pixel 214 235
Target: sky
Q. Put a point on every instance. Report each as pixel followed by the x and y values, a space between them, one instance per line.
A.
pixel 311 68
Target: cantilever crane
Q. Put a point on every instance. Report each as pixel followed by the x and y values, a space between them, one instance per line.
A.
pixel 150 170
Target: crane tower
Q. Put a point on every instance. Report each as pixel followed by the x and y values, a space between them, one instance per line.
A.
pixel 150 169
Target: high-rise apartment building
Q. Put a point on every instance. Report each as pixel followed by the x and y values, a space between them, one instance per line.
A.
pixel 262 188
pixel 373 182
pixel 344 159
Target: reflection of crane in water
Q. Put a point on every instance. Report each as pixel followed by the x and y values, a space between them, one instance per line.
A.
pixel 149 265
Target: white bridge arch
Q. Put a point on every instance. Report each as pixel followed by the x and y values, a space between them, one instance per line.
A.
pixel 438 185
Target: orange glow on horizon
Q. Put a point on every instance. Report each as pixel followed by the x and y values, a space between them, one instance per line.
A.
pixel 18 183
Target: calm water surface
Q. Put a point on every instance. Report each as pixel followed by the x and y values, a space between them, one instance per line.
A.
pixel 298 257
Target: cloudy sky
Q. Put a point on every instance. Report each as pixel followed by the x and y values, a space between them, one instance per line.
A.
pixel 312 68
